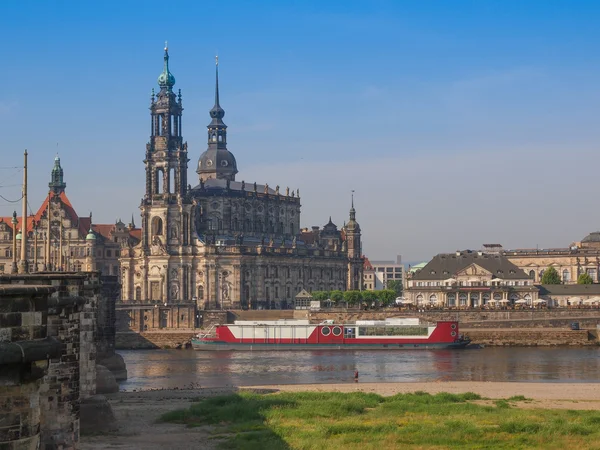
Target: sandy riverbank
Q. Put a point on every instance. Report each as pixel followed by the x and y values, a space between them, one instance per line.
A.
pixel 137 412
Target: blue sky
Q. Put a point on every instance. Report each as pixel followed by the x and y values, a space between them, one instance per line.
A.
pixel 457 123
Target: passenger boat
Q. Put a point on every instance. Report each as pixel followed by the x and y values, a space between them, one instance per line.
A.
pixel 402 334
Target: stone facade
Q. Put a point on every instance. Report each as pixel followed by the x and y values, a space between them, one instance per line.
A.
pixel 60 240
pixel 570 262
pixel 224 243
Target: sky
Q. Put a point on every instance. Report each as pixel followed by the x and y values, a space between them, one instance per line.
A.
pixel 456 123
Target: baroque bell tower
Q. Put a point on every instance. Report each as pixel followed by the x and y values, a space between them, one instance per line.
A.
pixel 354 246
pixel 166 167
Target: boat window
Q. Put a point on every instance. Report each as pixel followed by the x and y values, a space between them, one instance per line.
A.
pixel 336 331
pixel 349 333
pixel 325 331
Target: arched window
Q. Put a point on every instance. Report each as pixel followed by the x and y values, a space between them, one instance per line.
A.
pixel 138 293
pixel 566 275
pixel 532 274
pixel 474 299
pixel 451 299
pixel 159 181
pixel 157 226
pixel 171 187
pixel 462 299
pixel 292 228
pixel 433 299
pixel 486 298
pixel 528 298
pixel 200 292
pixel 419 299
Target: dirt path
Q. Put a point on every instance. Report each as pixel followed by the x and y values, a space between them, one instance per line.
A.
pixel 137 414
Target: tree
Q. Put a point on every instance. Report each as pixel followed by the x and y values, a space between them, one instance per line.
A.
pixel 584 278
pixel 336 296
pixel 353 297
pixel 320 295
pixel 395 285
pixel 551 276
pixel 387 297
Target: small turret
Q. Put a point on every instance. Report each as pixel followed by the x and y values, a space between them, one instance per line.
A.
pixel 57 184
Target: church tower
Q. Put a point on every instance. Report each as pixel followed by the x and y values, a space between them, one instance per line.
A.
pixel 217 162
pixel 57 184
pixel 166 164
pixel 355 259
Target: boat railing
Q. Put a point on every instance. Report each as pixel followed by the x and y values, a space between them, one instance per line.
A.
pixel 211 332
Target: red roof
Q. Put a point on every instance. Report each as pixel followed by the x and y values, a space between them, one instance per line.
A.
pixel 83 223
pixel 136 233
pixel 367 264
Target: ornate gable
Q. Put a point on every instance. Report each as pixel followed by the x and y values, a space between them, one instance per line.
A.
pixel 474 270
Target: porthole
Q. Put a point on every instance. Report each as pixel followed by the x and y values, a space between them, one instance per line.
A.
pixel 224 163
pixel 453 326
pixel 336 331
pixel 325 331
pixel 453 334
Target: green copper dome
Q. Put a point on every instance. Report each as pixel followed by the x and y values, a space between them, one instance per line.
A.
pixel 166 78
pixel 90 236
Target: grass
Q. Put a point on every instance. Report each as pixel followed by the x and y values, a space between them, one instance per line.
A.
pixel 321 420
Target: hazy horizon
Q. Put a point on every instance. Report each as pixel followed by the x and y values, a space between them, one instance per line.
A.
pixel 456 124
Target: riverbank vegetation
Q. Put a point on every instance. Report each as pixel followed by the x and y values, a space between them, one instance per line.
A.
pixel 321 420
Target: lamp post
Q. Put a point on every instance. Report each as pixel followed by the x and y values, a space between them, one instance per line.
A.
pixel 14 243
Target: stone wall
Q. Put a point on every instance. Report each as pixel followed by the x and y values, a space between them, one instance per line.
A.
pixel 154 340
pixel 523 338
pixel 54 309
pixel 24 352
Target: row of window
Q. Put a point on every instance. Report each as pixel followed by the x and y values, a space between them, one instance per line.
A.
pixel 215 224
pixel 566 274
pixel 472 283
pixel 273 272
pixel 393 331
pixel 389 269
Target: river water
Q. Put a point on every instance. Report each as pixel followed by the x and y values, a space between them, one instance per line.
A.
pixel 162 369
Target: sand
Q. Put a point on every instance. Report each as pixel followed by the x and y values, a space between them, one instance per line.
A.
pixel 137 412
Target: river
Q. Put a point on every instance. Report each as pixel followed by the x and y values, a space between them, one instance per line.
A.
pixel 167 369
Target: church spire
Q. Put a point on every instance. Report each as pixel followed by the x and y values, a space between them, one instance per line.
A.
pixel 352 210
pixel 217 161
pixel 217 113
pixel 57 184
pixel 166 80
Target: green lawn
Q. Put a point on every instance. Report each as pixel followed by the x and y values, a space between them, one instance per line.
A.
pixel 317 420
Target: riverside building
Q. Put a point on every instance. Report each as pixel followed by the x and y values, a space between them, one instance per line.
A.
pixel 470 279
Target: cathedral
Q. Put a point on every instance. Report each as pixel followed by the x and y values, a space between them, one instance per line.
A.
pixel 225 243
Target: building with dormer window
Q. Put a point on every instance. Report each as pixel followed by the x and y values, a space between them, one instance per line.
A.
pixel 470 279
